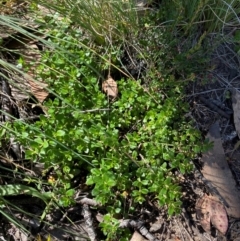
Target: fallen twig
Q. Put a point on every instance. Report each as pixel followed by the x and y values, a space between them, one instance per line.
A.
pixel 128 223
pixel 214 107
pixel 88 201
pixel 89 222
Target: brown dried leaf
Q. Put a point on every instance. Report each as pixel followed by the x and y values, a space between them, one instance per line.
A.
pixel 32 57
pixel 209 209
pixel 203 213
pixel 109 86
pixel 217 172
pixel 219 217
pixel 39 90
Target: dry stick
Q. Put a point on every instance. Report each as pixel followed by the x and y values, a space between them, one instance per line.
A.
pixel 94 110
pixel 65 214
pixel 88 216
pixel 214 107
pixel 224 81
pixel 9 161
pixel 223 133
pixel 127 223
pixel 204 92
pixel 88 201
pixel 89 222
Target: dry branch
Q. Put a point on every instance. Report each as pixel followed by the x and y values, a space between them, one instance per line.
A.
pixel 128 223
pixel 214 107
pixel 88 201
pixel 89 222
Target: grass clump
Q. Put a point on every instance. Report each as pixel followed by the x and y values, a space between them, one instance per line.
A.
pixel 103 20
pixel 199 16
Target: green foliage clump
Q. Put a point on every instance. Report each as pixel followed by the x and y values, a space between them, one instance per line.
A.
pixel 129 148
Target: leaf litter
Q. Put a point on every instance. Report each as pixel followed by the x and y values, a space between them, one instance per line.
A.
pixel 109 87
pixel 210 211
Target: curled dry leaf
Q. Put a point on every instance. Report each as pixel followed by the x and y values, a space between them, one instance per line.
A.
pixel 109 86
pixel 209 209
